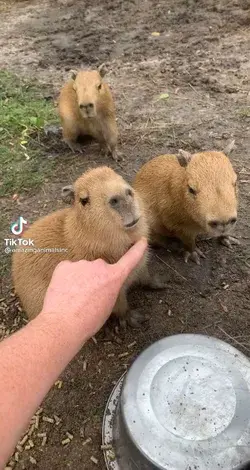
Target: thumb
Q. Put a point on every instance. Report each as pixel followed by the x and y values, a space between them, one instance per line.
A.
pixel 130 260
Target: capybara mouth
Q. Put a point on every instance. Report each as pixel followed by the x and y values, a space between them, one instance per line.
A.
pixel 88 115
pixel 133 223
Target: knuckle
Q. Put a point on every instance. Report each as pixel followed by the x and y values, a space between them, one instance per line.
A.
pixel 100 262
pixel 63 265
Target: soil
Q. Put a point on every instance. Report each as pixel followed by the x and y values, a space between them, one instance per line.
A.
pixel 201 59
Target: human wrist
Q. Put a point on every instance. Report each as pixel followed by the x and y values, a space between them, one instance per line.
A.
pixel 61 327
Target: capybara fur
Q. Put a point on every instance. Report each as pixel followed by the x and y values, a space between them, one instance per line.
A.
pixel 104 220
pixel 188 195
pixel 86 108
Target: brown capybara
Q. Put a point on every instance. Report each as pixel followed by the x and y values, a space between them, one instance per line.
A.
pixel 188 195
pixel 105 219
pixel 86 107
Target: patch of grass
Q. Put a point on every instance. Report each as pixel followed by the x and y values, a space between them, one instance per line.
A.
pixel 24 111
pixel 245 112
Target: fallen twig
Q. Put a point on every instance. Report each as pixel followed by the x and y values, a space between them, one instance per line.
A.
pixel 233 339
pixel 170 267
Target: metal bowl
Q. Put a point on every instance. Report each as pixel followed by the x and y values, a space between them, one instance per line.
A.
pixel 183 405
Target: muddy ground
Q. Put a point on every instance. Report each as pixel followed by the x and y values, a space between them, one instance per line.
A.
pixel 201 59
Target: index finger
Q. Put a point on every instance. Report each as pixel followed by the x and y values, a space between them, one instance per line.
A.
pixel 133 256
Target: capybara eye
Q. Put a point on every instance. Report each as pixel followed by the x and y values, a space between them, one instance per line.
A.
pixel 129 192
pixel 84 200
pixel 213 223
pixel 99 86
pixel 113 201
pixel 191 190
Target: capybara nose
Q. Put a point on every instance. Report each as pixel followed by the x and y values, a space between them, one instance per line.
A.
pixel 232 221
pixel 216 223
pixel 87 106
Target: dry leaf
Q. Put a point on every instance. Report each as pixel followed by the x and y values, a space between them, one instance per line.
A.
pixel 163 96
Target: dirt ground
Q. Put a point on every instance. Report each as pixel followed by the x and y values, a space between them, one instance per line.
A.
pixel 201 59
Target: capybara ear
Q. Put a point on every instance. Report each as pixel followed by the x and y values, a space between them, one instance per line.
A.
pixel 73 74
pixel 84 198
pixel 229 147
pixel 68 194
pixel 183 157
pixel 102 69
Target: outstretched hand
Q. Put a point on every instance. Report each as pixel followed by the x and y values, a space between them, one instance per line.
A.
pixel 89 289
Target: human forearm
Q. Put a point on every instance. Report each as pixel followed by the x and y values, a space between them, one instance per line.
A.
pixel 82 294
pixel 31 361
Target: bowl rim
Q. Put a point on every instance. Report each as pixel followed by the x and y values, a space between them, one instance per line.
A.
pixel 116 393
pixel 107 425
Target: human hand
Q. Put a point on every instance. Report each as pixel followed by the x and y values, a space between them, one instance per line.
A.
pixel 88 290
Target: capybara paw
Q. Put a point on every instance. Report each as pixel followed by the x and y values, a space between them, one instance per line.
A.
pixel 74 146
pixel 123 323
pixel 228 241
pixel 117 156
pixel 135 318
pixel 112 334
pixel 156 283
pixel 194 256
